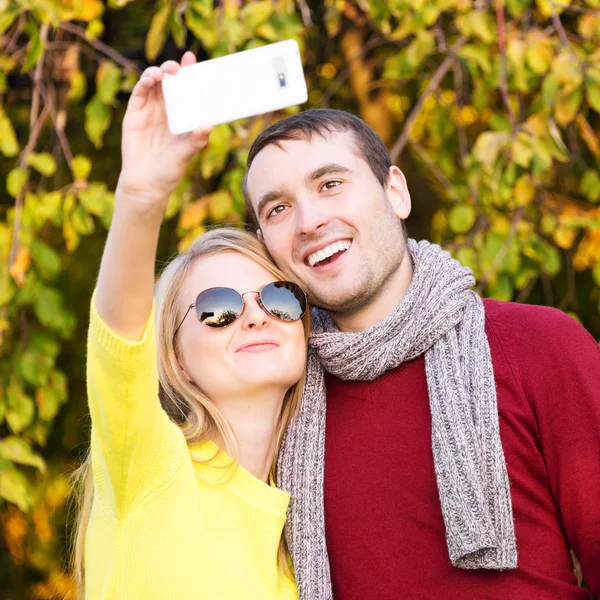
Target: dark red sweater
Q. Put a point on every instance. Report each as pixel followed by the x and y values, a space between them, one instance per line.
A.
pixel 385 533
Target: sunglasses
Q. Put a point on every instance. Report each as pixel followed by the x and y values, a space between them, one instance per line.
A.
pixel 220 306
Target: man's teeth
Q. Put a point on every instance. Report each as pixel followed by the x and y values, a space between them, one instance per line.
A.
pixel 317 257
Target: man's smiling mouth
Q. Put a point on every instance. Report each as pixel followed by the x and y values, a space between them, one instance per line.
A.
pixel 328 253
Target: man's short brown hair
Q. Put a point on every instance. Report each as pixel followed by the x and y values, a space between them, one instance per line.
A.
pixel 322 121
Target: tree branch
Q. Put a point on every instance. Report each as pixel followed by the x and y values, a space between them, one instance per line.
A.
pixel 503 67
pixel 433 85
pixel 101 47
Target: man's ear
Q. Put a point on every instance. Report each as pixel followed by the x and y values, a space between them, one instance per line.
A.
pixel 259 235
pixel 397 192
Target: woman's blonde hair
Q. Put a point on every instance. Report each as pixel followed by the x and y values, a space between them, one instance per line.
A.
pixel 198 418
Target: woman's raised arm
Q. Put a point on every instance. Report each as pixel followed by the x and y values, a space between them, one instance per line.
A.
pixel 153 162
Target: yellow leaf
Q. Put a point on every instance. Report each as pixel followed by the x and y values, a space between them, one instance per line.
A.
pixel 564 237
pixel 193 214
pixel 488 145
pixel 588 135
pixel 256 13
pixel 588 251
pixel 551 7
pixel 524 191
pixel 157 33
pixel 20 266
pixel 188 239
pixel 521 150
pixel 90 10
pixel 220 205
pixel 567 106
pixel 589 26
pixel 567 71
pixel 539 52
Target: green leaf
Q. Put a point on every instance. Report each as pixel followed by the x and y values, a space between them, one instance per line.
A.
pixel 596 273
pixel 476 54
pixel 215 154
pixel 14 487
pixel 16 180
pixel 48 403
pixel 255 13
pixel 46 259
pixel 7 285
pixel 16 450
pixel 35 47
pixel 45 343
pixel 96 200
pixel 51 311
pixel 550 90
pixel 82 221
pixel 202 27
pixel 35 367
pixel 82 166
pixel 20 407
pixel 590 185
pixel 9 146
pixel 157 33
pixel 501 289
pixel 94 29
pixel 468 257
pixel 592 94
pixel 97 121
pixel 50 207
pixel 462 218
pixel 8 17
pixel 42 162
pixel 108 82
pixel 178 29
pixel 77 87
pixel 478 23
pixel 59 384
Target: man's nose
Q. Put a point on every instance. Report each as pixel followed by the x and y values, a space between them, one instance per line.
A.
pixel 310 217
pixel 253 317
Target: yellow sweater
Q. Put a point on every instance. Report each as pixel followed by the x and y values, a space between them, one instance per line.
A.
pixel 160 528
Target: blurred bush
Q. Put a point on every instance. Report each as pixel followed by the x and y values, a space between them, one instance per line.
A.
pixel 496 103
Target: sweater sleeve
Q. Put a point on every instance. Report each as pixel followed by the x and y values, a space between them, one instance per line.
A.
pixel 135 447
pixel 557 364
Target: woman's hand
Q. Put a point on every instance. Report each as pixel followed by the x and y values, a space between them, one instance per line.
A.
pixel 154 160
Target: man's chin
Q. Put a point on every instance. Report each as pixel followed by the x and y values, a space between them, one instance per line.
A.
pixel 336 301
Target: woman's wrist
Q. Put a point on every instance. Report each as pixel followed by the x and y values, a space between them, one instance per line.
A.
pixel 146 205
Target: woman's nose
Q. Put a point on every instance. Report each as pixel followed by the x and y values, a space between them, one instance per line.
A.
pixel 253 316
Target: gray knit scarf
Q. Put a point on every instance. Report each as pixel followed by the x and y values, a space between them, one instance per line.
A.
pixel 441 317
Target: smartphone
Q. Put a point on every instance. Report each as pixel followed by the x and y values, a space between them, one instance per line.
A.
pixel 233 87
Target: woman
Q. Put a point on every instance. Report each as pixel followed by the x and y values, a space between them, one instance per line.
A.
pixel 185 505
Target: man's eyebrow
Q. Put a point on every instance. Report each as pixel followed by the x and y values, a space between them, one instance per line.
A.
pixel 269 197
pixel 328 169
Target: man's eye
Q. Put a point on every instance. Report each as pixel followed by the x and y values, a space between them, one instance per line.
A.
pixel 275 211
pixel 329 185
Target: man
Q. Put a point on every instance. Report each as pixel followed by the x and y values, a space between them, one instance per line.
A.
pixel 462 449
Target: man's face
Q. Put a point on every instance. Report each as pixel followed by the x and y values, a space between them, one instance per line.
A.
pixel 327 221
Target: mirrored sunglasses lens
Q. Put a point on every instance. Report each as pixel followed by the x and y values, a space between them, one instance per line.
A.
pixel 284 300
pixel 218 307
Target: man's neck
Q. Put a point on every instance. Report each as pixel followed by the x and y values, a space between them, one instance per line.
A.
pixel 384 304
pixel 254 424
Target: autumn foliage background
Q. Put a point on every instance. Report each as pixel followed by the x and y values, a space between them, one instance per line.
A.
pixel 491 108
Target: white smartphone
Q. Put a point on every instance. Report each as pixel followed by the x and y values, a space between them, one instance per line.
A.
pixel 233 87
